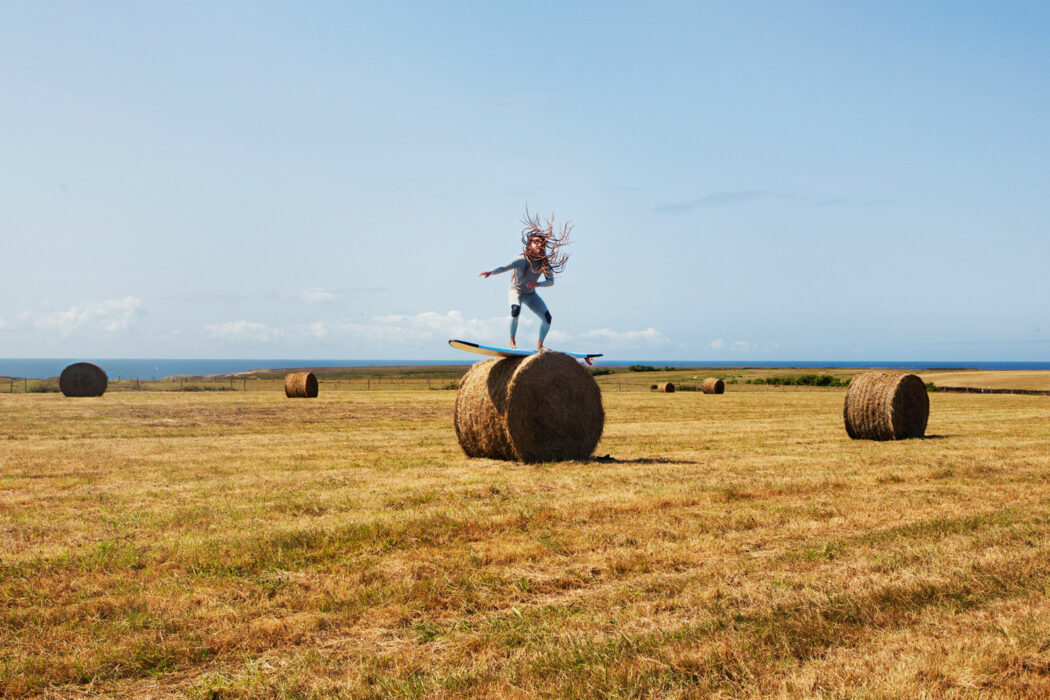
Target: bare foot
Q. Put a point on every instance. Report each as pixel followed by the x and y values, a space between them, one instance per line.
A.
pixel 513 345
pixel 540 348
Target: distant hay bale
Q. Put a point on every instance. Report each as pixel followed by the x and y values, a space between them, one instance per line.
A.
pixel 664 387
pixel 539 408
pixel 885 405
pixel 300 385
pixel 714 385
pixel 83 379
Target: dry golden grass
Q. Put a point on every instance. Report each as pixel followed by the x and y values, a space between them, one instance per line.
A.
pixel 981 379
pixel 243 545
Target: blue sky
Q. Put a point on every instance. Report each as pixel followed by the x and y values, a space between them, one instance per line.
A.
pixel 747 181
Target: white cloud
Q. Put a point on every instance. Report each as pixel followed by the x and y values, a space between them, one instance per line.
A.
pixel 421 328
pixel 650 337
pixel 742 346
pixel 242 330
pixel 717 344
pixel 314 295
pixel 425 329
pixel 553 338
pixel 109 315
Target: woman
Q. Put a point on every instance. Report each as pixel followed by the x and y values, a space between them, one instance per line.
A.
pixel 541 257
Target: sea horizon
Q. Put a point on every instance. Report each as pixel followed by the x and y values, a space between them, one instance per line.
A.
pixel 159 368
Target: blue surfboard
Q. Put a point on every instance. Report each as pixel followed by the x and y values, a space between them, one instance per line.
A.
pixel 492 351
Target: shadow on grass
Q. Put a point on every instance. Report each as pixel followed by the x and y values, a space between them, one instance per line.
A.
pixel 609 459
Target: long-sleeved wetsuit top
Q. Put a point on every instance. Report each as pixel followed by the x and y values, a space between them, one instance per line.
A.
pixel 525 271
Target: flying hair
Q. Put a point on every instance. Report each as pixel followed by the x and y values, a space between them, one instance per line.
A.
pixel 551 261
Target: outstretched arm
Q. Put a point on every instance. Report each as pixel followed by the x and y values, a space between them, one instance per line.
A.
pixel 498 270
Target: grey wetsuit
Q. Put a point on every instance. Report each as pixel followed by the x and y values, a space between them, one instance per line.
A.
pixel 524 272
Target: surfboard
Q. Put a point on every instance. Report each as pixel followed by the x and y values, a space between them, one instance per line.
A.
pixel 492 351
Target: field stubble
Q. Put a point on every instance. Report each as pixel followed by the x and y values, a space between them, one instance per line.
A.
pixel 242 545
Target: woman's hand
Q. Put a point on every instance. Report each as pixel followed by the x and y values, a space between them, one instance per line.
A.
pixel 530 284
pixel 484 274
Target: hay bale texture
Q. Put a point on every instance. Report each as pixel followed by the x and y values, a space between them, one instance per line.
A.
pixel 83 379
pixel 714 385
pixel 300 385
pixel 665 387
pixel 885 405
pixel 539 408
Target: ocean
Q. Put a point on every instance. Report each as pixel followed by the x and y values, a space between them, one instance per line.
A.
pixel 147 369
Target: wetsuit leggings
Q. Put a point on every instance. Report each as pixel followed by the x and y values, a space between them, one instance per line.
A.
pixel 536 305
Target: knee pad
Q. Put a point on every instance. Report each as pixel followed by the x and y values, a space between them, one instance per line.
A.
pixel 547 315
pixel 514 310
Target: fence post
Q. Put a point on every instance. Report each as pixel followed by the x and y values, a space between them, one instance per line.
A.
pixel 25 385
pixel 246 384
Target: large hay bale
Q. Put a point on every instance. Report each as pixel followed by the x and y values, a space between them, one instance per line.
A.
pixel 665 387
pixel 300 385
pixel 714 385
pixel 542 407
pixel 83 379
pixel 885 405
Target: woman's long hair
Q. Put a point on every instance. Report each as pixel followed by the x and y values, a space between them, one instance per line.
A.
pixel 551 260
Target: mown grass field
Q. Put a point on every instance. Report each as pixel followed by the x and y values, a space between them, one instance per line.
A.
pixel 240 544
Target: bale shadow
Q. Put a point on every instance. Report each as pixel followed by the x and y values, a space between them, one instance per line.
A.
pixel 609 459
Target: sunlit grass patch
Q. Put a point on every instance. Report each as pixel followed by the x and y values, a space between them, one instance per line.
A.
pixel 235 544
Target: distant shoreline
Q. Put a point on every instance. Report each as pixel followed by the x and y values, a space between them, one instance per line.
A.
pixel 151 369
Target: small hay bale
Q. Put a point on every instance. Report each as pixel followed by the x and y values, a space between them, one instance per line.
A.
pixel 540 408
pixel 83 379
pixel 300 385
pixel 714 385
pixel 885 405
pixel 665 387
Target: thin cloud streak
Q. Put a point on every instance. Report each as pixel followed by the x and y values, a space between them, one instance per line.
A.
pixel 308 295
pixel 242 330
pixel 713 200
pixel 719 199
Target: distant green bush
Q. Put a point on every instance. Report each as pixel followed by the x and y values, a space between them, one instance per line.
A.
pixel 801 380
pixel 641 368
pixel 198 387
pixel 599 371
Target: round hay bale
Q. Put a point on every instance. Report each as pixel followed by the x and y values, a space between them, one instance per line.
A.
pixel 886 405
pixel 665 387
pixel 83 379
pixel 540 408
pixel 714 385
pixel 300 385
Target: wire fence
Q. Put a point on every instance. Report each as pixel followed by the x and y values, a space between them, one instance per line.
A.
pixel 22 385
